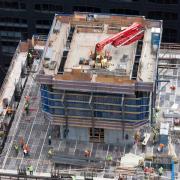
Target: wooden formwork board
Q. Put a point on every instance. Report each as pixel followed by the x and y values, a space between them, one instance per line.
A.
pixel 85 122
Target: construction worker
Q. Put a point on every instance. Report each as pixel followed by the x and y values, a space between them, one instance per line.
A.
pixel 160 171
pixel 137 136
pixel 27 98
pixel 173 88
pixel 26 108
pixel 21 142
pixel 146 169
pixel 50 153
pixel 2 133
pixel 16 148
pixel 160 148
pixel 109 158
pixel 157 109
pixel 121 177
pixel 87 153
pixel 73 177
pixel 9 111
pixel 30 169
pixel 49 140
pixel 25 152
pixel 26 149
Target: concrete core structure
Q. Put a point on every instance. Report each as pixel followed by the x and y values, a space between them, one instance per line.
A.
pixel 91 101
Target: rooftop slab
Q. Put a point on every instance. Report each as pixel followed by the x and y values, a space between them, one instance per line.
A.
pixel 85 36
pixel 84 43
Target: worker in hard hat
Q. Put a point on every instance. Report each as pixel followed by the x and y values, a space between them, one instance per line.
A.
pixel 26 149
pixel 160 148
pixel 27 98
pixel 9 111
pixel 49 140
pixel 137 136
pixel 173 88
pixel 50 153
pixel 21 142
pixel 25 152
pixel 26 108
pixel 16 148
pixel 157 109
pixel 120 177
pixel 160 171
pixel 154 136
pixel 87 153
pixel 146 169
pixel 30 169
pixel 73 177
pixel 109 158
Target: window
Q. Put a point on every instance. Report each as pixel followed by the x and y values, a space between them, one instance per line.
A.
pixel 37 7
pixel 22 6
pixel 9 34
pixel 164 1
pixel 96 135
pixel 45 7
pixel 8 47
pixel 162 15
pixel 86 9
pixel 42 31
pixel 48 7
pixel 169 35
pixel 124 11
pixel 6 4
pixel 13 20
pixel 43 22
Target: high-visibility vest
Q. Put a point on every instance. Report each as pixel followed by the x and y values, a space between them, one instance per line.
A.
pixel 16 147
pixel 160 170
pixel 50 152
pixel 30 168
pixel 73 177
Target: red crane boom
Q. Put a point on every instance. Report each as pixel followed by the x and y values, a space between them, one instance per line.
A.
pixel 125 37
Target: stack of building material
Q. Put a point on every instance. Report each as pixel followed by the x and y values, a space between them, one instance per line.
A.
pixel 149 153
pixel 130 160
pixel 171 152
pixel 164 131
pixel 74 160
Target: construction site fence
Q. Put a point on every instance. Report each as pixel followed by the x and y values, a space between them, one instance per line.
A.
pixel 6 176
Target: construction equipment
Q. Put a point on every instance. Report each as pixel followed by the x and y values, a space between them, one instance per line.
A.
pixel 125 37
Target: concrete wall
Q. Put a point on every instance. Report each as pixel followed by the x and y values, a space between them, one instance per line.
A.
pixel 78 134
pixel 115 137
pixel 110 136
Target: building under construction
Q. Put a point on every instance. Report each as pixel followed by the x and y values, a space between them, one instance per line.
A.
pixel 98 79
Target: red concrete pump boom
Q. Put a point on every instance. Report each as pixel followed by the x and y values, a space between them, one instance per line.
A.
pixel 125 37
